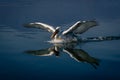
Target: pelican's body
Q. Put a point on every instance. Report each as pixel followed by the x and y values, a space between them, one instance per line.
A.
pixel 60 40
pixel 69 35
pixel 63 40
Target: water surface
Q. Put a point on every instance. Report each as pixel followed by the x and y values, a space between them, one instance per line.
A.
pixel 15 40
pixel 16 64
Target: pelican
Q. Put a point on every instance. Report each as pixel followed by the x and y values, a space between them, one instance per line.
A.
pixel 66 36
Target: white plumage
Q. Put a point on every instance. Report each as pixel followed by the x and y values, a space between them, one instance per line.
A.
pixel 68 35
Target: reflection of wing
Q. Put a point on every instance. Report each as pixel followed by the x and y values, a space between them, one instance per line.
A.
pixel 80 55
pixel 80 27
pixel 44 52
pixel 40 26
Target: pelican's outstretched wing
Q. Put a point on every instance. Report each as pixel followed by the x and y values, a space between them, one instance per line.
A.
pixel 80 27
pixel 40 26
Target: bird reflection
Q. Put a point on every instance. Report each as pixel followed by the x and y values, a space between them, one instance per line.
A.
pixel 69 48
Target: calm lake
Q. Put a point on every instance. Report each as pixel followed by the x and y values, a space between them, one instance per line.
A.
pixel 20 46
pixel 16 64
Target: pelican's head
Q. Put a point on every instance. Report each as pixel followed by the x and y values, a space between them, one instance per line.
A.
pixel 57 28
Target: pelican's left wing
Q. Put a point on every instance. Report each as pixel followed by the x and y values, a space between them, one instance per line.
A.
pixel 40 25
pixel 80 27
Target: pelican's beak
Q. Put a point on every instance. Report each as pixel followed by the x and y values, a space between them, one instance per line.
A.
pixel 53 35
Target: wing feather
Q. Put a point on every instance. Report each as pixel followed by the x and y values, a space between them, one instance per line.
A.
pixel 40 26
pixel 80 27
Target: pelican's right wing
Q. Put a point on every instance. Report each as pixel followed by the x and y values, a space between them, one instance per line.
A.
pixel 80 27
pixel 40 26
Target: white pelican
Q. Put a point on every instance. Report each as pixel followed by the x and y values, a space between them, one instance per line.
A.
pixel 66 36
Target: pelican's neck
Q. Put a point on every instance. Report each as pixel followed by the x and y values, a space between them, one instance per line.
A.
pixel 56 36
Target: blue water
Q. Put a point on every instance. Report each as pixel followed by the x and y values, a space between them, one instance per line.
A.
pixel 15 40
pixel 17 65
